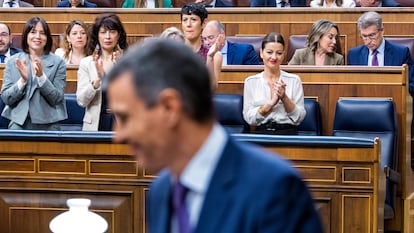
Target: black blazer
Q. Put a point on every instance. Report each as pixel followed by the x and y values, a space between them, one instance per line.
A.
pixel 221 3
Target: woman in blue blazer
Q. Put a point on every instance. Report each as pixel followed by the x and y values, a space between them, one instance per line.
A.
pixel 34 82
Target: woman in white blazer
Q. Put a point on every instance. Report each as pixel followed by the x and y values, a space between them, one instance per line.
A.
pixel 107 41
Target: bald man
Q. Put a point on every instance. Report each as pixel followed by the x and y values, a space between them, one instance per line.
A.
pixel 233 53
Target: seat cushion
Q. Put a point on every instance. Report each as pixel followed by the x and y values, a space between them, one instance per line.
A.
pixel 229 112
pixel 75 114
pixel 311 125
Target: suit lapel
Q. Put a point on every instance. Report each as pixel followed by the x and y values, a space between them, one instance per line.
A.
pixel 388 54
pixel 48 63
pixel 230 53
pixel 161 206
pixel 364 56
pixel 219 196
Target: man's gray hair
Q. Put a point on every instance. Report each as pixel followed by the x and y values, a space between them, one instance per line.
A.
pixel 368 19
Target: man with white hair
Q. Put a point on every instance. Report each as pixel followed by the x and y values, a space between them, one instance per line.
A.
pixel 233 53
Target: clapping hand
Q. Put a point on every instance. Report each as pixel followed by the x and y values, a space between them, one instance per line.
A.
pixel 37 66
pixel 23 69
pixel 280 89
pixel 99 66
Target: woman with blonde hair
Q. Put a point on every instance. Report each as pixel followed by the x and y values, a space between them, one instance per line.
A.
pixel 74 43
pixel 321 45
pixel 173 33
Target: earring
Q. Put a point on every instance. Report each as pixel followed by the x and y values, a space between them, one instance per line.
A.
pixel 70 46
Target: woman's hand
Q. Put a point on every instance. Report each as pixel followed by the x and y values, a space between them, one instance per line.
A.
pixel 280 88
pixel 117 54
pixel 23 69
pixel 99 66
pixel 37 66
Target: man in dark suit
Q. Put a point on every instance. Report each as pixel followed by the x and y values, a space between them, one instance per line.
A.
pixel 219 185
pixel 387 53
pixel 377 3
pixel 76 3
pixel 6 51
pixel 278 3
pixel 233 53
pixel 378 51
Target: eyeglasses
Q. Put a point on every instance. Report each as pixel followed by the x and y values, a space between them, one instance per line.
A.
pixel 371 36
pixel 209 38
pixel 4 34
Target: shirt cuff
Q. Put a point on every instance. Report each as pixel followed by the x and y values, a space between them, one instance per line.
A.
pixel 41 80
pixel 21 84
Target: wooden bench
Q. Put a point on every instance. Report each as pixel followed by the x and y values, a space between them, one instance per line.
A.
pixel 328 84
pixel 40 170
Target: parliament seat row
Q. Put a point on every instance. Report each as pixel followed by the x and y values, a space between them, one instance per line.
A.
pixel 292 43
pixel 228 109
pixel 176 3
pixel 299 41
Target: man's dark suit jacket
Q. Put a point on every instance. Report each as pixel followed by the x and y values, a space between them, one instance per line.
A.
pixel 272 3
pixel 66 3
pixel 390 3
pixel 14 51
pixel 221 3
pixel 394 55
pixel 241 54
pixel 251 190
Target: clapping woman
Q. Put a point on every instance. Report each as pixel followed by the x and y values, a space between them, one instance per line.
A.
pixel 273 99
pixel 34 82
pixel 107 43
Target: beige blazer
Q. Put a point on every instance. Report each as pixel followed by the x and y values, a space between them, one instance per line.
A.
pixel 87 96
pixel 305 56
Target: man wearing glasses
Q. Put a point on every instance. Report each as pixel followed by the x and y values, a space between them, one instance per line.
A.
pixel 5 44
pixel 376 51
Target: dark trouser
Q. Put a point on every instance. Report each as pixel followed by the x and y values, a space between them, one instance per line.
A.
pixel 276 129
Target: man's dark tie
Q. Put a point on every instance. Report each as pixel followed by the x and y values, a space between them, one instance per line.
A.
pixel 374 58
pixel 2 58
pixel 10 4
pixel 180 208
pixel 282 3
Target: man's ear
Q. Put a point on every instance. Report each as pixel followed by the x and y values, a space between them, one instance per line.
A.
pixel 171 106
